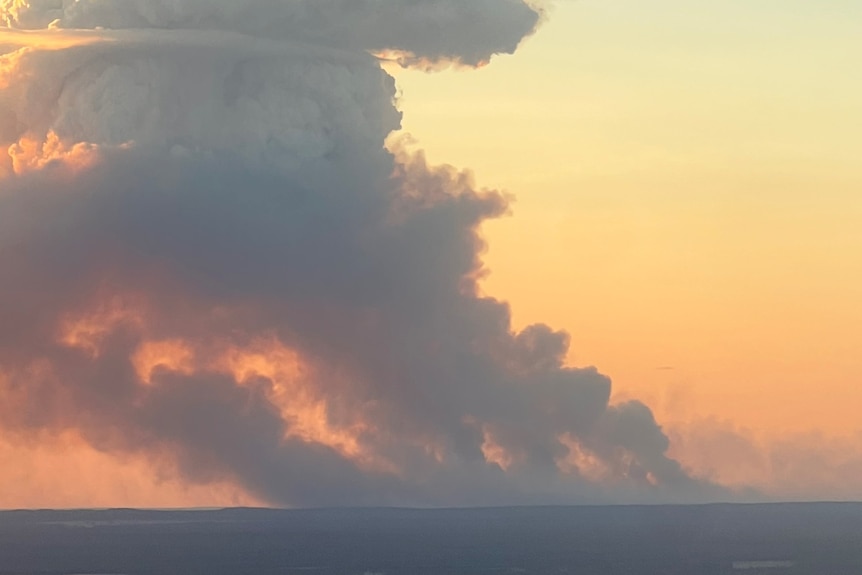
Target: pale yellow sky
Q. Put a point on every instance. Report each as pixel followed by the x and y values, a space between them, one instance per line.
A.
pixel 688 184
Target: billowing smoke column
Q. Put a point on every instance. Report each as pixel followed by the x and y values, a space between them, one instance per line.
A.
pixel 207 254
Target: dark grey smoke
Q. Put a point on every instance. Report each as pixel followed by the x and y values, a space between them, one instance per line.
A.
pixel 223 190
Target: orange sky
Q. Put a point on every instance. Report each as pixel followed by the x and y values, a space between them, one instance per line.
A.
pixel 688 201
pixel 687 181
pixel 51 472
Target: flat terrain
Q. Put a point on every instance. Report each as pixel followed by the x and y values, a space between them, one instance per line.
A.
pixel 821 539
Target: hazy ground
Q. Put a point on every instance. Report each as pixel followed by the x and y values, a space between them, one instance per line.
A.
pixel 782 539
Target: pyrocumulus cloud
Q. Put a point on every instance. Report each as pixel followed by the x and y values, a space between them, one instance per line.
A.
pixel 207 252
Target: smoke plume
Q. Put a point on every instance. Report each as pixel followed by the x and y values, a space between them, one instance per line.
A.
pixel 207 254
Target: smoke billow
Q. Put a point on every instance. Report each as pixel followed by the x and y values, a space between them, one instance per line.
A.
pixel 207 252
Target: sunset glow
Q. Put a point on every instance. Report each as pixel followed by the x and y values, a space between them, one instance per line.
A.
pixel 276 259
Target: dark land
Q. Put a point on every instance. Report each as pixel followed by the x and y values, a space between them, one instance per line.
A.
pixel 787 539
